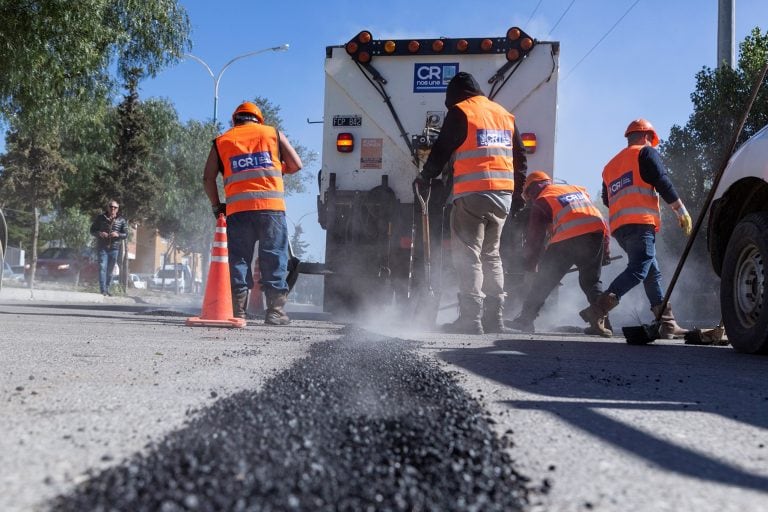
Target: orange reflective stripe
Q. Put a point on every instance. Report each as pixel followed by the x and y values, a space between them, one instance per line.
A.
pixel 573 213
pixel 483 161
pixel 630 199
pixel 253 177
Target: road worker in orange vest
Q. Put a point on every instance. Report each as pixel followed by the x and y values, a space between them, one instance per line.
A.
pixel 489 166
pixel 564 229
pixel 252 158
pixel 632 183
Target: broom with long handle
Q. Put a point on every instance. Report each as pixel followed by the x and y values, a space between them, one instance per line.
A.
pixel 644 334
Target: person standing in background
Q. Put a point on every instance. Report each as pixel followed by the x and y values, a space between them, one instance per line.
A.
pixel 109 228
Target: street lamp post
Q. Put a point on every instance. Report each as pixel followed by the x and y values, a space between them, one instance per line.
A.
pixel 217 77
pixel 298 222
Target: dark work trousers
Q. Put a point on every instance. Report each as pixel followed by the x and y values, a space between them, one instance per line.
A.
pixel 584 251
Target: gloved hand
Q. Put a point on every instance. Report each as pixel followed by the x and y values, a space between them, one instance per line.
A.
pixel 219 209
pixel 684 219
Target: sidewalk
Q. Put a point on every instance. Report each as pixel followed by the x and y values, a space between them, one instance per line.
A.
pixel 18 293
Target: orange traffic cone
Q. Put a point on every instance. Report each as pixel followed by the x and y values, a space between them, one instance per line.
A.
pixel 256 302
pixel 217 303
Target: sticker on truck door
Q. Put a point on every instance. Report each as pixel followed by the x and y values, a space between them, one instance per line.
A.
pixel 433 77
pixel 370 153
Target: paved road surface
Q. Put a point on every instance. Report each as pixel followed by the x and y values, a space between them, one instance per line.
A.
pixel 595 424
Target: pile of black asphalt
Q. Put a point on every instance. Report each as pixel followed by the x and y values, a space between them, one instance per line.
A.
pixel 362 423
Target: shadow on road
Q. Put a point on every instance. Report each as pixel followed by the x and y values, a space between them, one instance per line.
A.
pixel 576 380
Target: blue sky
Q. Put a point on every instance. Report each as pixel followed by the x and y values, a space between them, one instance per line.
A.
pixel 645 67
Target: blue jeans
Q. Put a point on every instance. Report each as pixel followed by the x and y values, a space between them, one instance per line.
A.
pixel 639 242
pixel 268 228
pixel 107 260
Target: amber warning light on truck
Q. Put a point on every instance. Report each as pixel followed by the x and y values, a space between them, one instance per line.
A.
pixel 515 46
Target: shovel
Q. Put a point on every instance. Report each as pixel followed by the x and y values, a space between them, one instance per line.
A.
pixel 644 334
pixel 427 306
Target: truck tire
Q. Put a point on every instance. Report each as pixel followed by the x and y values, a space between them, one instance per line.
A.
pixel 743 299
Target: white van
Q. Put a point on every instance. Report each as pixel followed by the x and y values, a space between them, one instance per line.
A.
pixel 172 278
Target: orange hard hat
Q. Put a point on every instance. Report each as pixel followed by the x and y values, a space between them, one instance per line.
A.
pixel 248 107
pixel 643 125
pixel 534 177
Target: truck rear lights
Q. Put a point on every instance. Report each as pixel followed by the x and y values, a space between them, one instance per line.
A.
pixel 364 37
pixel 345 142
pixel 515 45
pixel 529 142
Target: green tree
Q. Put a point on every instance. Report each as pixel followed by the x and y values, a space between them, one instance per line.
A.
pixel 298 244
pixel 90 145
pixel 72 228
pixel 32 178
pixel 184 215
pixel 54 50
pixel 695 152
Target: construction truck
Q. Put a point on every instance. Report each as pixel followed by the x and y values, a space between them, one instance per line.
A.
pixel 384 107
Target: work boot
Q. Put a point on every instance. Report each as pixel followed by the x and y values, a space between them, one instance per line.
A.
pixel 607 323
pixel 470 317
pixel 275 308
pixel 596 325
pixel 239 304
pixel 523 323
pixel 596 315
pixel 668 328
pixel 493 315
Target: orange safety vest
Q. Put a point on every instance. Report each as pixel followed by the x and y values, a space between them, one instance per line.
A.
pixel 253 175
pixel 630 199
pixel 483 161
pixel 573 213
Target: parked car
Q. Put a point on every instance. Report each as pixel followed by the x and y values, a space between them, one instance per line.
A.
pixel 134 281
pixel 166 278
pixel 737 238
pixel 9 276
pixel 62 264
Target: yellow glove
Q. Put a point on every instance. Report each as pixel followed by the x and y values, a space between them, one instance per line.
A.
pixel 684 219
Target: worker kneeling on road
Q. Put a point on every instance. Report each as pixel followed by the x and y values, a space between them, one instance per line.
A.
pixel 632 183
pixel 577 235
pixel 252 158
pixel 488 174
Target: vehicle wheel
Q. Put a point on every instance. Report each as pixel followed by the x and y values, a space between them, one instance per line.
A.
pixel 743 299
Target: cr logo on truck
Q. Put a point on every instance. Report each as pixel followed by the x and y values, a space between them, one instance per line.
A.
pixel 433 77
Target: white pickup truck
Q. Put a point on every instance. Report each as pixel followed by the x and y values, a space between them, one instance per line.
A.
pixel 384 106
pixel 737 237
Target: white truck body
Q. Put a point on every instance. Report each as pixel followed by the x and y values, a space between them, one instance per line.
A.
pixel 383 101
pixel 531 95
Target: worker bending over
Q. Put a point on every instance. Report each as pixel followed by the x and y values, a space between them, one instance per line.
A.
pixel 568 229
